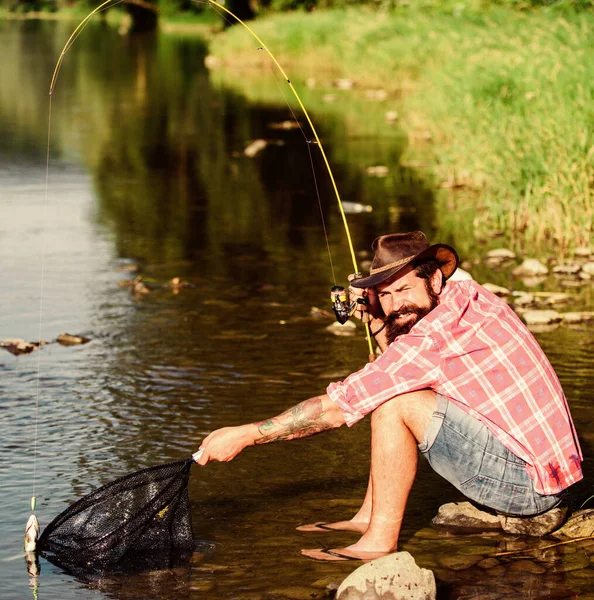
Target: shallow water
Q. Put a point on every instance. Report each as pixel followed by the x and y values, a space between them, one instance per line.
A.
pixel 147 170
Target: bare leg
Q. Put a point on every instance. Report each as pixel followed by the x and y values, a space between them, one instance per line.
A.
pixel 396 428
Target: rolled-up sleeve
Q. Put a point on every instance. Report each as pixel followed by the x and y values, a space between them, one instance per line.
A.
pixel 411 363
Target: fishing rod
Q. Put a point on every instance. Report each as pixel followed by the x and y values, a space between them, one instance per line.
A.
pixel 342 305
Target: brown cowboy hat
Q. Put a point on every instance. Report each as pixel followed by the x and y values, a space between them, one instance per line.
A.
pixel 396 250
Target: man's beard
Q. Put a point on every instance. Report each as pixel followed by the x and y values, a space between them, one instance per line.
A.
pixel 395 329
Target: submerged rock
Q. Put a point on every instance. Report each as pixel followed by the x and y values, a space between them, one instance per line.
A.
pixel 377 171
pixel 66 339
pixel 500 254
pixel 396 576
pixel 17 346
pixel 530 267
pixel 577 317
pixel 567 269
pixel 464 515
pixel 254 148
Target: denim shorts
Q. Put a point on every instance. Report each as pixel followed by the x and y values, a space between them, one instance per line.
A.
pixel 462 450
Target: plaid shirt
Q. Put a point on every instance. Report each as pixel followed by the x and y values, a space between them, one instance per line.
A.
pixel 474 350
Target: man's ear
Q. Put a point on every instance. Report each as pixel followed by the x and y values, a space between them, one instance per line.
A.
pixel 437 281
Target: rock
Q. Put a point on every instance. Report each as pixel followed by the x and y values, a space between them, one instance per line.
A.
pixel 497 289
pixel 377 171
pixel 329 98
pixel 577 317
pixel 500 254
pixel 319 313
pixel 583 252
pixel 344 84
pixel 254 148
pixel 534 281
pixel 523 299
pixel 526 566
pixel 17 346
pixel 552 297
pixel 392 577
pixel 391 116
pixel 588 269
pixel 488 563
pixel 461 275
pixel 212 62
pixel 285 125
pixel 567 269
pixel 464 515
pixel 530 267
pixel 540 317
pixel 138 288
pixel 534 526
pixel 456 562
pixel 353 208
pixel 579 524
pixel 71 340
pixel 348 328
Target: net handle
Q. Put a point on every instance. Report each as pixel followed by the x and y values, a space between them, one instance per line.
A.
pixel 196 456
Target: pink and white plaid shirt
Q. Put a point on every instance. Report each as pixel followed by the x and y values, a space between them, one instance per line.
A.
pixel 474 350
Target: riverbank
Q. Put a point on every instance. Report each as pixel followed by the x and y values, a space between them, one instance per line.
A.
pixel 498 102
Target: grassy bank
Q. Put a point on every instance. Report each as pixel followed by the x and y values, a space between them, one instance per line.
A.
pixel 505 97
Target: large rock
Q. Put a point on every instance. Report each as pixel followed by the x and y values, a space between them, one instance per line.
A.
pixel 534 526
pixel 392 577
pixel 463 515
pixel 530 267
pixel 580 524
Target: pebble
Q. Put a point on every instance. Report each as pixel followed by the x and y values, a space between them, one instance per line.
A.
pixel 540 317
pixel 530 266
pixel 377 171
pixel 500 254
pixel 254 148
pixel 577 317
pixel 567 269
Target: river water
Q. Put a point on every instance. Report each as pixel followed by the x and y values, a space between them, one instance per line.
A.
pixel 147 171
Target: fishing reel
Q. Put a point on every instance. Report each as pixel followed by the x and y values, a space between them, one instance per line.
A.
pixel 342 305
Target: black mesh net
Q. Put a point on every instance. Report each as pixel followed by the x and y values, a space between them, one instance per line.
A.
pixel 137 522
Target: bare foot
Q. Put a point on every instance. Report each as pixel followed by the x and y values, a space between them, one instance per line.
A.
pixel 322 527
pixel 342 554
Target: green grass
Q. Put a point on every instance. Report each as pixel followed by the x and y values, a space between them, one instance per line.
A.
pixel 506 95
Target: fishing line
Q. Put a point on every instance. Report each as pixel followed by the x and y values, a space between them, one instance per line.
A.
pixel 308 142
pixel 319 143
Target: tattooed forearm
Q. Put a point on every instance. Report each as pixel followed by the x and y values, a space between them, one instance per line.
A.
pixel 303 420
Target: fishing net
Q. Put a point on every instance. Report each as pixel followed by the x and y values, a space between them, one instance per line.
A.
pixel 139 521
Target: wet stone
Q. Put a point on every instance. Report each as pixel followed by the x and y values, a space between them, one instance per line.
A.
pixel 580 524
pixel 530 267
pixel 577 317
pixel 567 269
pixel 534 526
pixel 523 299
pixel 526 566
pixel 540 317
pixel 464 515
pixel 583 252
pixel 394 576
pixel 500 254
pixel 488 563
pixel 459 562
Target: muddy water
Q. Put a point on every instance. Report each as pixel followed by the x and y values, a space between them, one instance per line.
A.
pixel 147 170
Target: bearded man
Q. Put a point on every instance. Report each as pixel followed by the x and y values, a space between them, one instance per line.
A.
pixel 460 379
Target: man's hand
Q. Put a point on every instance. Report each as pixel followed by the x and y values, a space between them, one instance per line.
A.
pixel 226 443
pixel 371 308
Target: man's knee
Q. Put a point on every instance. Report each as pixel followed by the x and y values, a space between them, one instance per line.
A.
pixel 414 409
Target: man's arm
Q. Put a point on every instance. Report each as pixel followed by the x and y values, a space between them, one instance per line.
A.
pixel 307 418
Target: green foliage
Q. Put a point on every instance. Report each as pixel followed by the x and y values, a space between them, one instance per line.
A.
pixel 505 96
